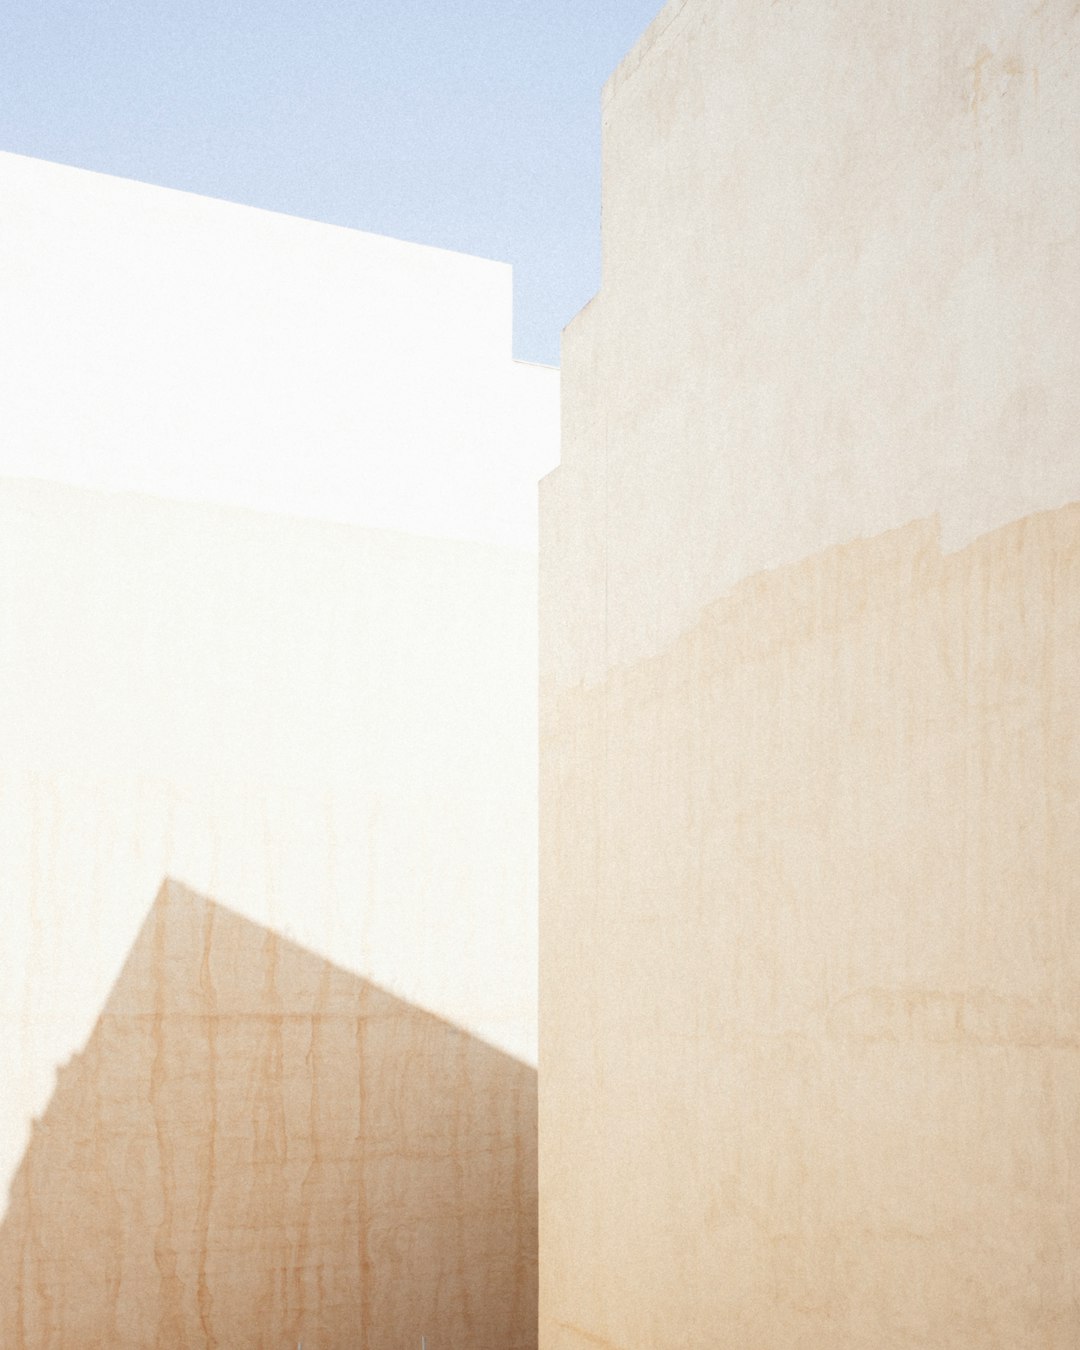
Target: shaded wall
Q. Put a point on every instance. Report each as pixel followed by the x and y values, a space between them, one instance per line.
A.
pixel 256 1147
pixel 810 1054
pixel 810 734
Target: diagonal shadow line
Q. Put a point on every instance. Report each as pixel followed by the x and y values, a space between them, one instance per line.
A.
pixel 256 1148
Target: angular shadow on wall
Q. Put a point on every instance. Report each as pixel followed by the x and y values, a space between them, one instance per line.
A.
pixel 257 1148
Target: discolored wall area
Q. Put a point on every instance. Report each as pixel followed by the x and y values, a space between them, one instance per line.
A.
pixel 810 717
pixel 257 1148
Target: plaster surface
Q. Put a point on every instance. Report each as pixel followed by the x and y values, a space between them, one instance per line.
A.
pixel 839 294
pixel 321 713
pixel 332 728
pixel 810 738
pixel 810 879
pixel 257 1148
pixel 161 342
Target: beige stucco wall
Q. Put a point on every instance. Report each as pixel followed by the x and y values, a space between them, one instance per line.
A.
pixel 810 714
pixel 839 263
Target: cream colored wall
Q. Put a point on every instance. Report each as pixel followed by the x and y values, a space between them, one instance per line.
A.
pixel 320 715
pixel 839 262
pixel 810 734
pixel 330 731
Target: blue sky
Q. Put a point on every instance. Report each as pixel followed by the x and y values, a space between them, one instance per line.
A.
pixel 473 125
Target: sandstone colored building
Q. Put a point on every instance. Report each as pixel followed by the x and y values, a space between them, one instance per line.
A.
pixel 267 780
pixel 810 694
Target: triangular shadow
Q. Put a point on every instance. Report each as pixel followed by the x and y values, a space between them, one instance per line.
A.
pixel 257 1148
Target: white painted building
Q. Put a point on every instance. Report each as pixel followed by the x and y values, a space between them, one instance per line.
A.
pixel 267 605
pixel 155 341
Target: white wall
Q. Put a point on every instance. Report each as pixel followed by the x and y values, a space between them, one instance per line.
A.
pixel 327 724
pixel 161 342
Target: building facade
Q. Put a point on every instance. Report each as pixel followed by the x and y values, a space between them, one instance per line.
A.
pixel 810 718
pixel 267 781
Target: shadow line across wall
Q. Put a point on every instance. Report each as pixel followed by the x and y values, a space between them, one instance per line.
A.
pixel 257 1148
